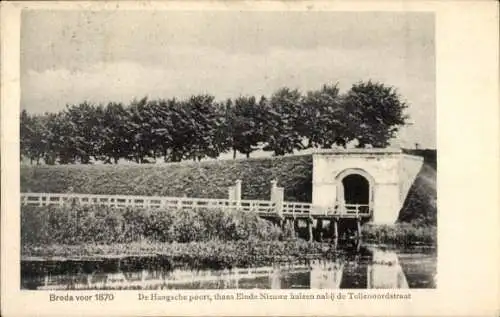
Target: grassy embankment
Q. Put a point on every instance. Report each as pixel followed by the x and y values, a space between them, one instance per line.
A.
pixel 220 236
pixel 418 218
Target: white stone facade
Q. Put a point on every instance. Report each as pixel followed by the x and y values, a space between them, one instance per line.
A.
pixel 389 174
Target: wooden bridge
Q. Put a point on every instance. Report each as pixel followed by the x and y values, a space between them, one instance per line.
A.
pixel 264 208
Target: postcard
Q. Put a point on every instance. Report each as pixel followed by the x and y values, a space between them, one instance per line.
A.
pixel 250 158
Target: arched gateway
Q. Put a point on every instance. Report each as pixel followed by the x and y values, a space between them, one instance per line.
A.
pixel 370 184
pixel 354 192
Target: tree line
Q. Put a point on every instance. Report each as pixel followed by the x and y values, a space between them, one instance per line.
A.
pixel 369 113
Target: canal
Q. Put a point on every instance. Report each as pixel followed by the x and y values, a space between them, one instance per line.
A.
pixel 364 267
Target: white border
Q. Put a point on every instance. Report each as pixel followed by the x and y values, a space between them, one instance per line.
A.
pixel 468 168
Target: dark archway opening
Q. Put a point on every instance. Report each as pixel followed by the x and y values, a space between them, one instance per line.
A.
pixel 356 189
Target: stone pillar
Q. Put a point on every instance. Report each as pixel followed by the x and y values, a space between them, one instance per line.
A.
pixel 274 184
pixel 279 200
pixel 231 192
pixel 235 194
pixel 237 190
pixel 277 197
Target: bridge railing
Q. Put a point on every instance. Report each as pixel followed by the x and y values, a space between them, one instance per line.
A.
pixel 152 202
pixel 356 209
pixel 346 210
pixel 296 209
pixel 262 207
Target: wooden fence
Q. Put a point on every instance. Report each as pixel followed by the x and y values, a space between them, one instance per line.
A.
pixel 262 207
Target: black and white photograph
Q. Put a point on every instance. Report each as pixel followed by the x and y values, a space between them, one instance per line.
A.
pixel 196 150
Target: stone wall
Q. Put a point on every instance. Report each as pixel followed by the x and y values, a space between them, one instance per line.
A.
pixel 410 166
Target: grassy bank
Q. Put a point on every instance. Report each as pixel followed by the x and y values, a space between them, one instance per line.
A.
pixel 420 206
pixel 402 234
pixel 203 180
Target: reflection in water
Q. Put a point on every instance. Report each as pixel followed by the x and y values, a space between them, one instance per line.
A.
pixel 385 271
pixel 366 268
pixel 326 274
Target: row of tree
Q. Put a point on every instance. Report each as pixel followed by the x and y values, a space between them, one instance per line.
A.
pixel 197 127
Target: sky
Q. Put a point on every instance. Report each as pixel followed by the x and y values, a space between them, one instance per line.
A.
pixel 68 57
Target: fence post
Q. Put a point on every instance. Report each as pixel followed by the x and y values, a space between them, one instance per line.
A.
pixel 274 184
pixel 237 192
pixel 277 197
pixel 231 190
pixel 273 189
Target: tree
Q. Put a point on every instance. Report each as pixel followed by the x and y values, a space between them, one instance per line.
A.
pixel 283 122
pixel 374 113
pixel 116 136
pixel 322 117
pixel 84 131
pixel 25 130
pixel 202 129
pixel 141 118
pixel 244 124
pixel 222 138
pixel 60 141
pixel 33 136
pixel 162 127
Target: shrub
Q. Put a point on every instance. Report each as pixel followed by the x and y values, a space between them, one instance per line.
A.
pixel 401 234
pixel 104 225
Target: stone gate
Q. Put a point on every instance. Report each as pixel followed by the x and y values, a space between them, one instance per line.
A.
pixel 373 183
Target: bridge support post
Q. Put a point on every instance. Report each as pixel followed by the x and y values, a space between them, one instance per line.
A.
pixel 289 226
pixel 237 192
pixel 295 226
pixel 282 222
pixel 319 229
pixel 334 229
pixel 276 221
pixel 358 225
pixel 310 229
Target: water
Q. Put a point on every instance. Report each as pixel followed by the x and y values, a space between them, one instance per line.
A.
pixel 367 267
